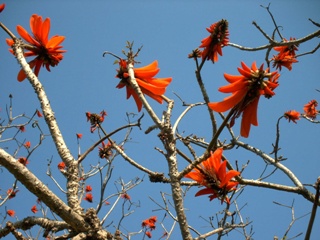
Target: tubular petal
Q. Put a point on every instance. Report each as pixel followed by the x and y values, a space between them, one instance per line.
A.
pixel 233 87
pixel 45 31
pixel 25 35
pixel 55 41
pixel 155 97
pixel 245 73
pixel 149 67
pixel 245 67
pixel 249 117
pixel 254 66
pixel 196 176
pixel 205 191
pixel 232 78
pixel 154 89
pixel 228 102
pixel 230 174
pixel 146 73
pixel 160 82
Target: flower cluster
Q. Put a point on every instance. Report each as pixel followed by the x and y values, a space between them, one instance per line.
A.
pixel 11 193
pixel 212 174
pixel 89 197
pixel 105 151
pixel 149 225
pixel 310 109
pixel 34 209
pixel 11 213
pixel 24 161
pixel 47 51
pixel 217 39
pixel 61 166
pixel 246 90
pixel 292 115
pixel 145 78
pixel 95 119
pixel 286 56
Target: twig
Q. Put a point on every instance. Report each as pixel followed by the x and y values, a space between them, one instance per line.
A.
pixel 314 210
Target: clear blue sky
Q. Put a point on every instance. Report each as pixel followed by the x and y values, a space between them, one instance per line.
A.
pixel 84 81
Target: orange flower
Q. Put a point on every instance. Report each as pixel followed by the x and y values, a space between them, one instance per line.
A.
pixel 310 109
pixel 214 43
pixel 286 56
pixel 88 188
pixel 79 135
pixel 24 161
pixel 2 6
pixel 246 90
pixel 34 209
pixel 292 115
pixel 88 197
pixel 27 144
pixel 212 174
pixel 11 213
pixel 150 223
pixel 153 87
pixel 39 114
pixel 148 234
pixel 126 196
pixel 11 193
pixel 105 151
pixel 61 166
pixel 47 51
pixel 95 119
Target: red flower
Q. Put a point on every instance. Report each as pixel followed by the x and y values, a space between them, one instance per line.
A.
pixel 153 87
pixel 24 161
pixel 126 196
pixel 212 174
pixel 105 151
pixel 22 128
pixel 286 56
pixel 214 43
pixel 11 193
pixel 47 51
pixel 310 109
pixel 2 6
pixel 95 119
pixel 34 209
pixel 148 234
pixel 39 114
pixel 61 166
pixel 88 197
pixel 88 188
pixel 292 115
pixel 79 135
pixel 246 90
pixel 11 213
pixel 27 144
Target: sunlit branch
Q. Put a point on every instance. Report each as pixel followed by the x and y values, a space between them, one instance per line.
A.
pixel 274 43
pixel 63 150
pixel 35 186
pixel 29 222
pixel 206 99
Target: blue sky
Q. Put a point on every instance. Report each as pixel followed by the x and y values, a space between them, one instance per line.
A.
pixel 85 81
